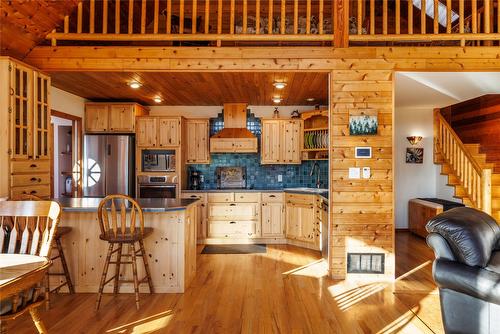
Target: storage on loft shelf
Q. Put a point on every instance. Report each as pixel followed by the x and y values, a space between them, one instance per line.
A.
pixel 315 134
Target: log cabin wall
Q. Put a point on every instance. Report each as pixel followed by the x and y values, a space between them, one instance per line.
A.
pixel 361 80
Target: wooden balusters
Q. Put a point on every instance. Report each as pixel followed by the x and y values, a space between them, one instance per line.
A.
pixel 169 16
pixel 79 18
pixel 257 17
pixel 410 17
pixel 474 16
pixel 436 16
pixel 66 24
pixel 448 16
pixel 156 15
pixel 296 17
pixel 384 17
pixel 308 17
pixel 143 17
pixel 320 24
pixel 193 17
pixel 219 20
pixel 359 17
pixel 372 17
pixel 245 16
pixel 117 16
pixel 207 16
pixel 130 16
pixel 423 18
pixel 398 17
pixel 92 17
pixel 270 18
pixel 498 16
pixel 181 16
pixel 487 17
pixel 486 191
pixel 231 18
pixel 105 16
pixel 283 17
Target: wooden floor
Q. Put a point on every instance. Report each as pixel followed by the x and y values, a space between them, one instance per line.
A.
pixel 282 291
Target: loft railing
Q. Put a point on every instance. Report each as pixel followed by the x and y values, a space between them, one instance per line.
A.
pixel 414 21
pixel 330 22
pixel 475 179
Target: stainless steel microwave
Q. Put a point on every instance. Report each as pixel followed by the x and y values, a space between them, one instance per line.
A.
pixel 158 160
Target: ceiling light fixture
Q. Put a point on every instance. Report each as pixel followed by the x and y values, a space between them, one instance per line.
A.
pixel 134 84
pixel 310 99
pixel 277 99
pixel 279 85
pixel 157 99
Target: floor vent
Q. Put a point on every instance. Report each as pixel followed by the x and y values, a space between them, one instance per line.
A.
pixel 365 263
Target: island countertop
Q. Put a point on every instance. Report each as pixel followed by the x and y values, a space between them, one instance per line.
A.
pixel 90 204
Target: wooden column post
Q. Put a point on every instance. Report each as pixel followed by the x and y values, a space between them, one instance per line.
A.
pixel 486 191
pixel 341 23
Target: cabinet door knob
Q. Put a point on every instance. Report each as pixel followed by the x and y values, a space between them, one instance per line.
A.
pixel 272 196
pixel 33 179
pixel 232 222
pixel 232 204
pixel 33 166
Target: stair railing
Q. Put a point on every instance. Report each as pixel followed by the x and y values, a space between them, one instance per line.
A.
pixel 475 179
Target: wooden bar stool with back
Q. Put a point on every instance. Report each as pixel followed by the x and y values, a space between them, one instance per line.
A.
pixel 118 216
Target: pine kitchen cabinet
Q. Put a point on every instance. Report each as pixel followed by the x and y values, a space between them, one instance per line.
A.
pixel 300 217
pixel 281 141
pixel 273 215
pixel 158 132
pixel 197 141
pixel 201 213
pixel 112 117
pixel 27 98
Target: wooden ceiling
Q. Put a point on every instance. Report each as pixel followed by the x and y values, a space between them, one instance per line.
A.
pixel 202 88
pixel 24 24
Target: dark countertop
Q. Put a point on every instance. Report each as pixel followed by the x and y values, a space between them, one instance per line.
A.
pixel 302 190
pixel 90 204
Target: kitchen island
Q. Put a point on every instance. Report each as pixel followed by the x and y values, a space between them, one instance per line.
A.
pixel 171 248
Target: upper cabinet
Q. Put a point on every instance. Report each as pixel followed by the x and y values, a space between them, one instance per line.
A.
pixel 281 141
pixel 158 131
pixel 112 117
pixel 197 140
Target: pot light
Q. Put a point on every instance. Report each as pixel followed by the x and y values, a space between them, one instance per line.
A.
pixel 310 99
pixel 279 85
pixel 276 99
pixel 157 99
pixel 134 84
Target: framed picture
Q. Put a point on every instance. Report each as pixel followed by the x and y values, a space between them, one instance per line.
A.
pixel 364 123
pixel 414 155
pixel 363 152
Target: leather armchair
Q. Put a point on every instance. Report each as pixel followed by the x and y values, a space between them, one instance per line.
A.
pixel 466 243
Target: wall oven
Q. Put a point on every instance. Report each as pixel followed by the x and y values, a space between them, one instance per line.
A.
pixel 163 186
pixel 158 161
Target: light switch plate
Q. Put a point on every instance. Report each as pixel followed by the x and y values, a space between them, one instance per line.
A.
pixel 366 172
pixel 280 178
pixel 354 173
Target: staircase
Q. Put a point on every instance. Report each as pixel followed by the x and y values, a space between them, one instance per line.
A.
pixel 476 180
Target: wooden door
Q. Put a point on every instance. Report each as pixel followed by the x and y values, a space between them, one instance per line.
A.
pixel 168 131
pixel 146 131
pixel 271 142
pixel 96 117
pixel 291 144
pixel 41 117
pixel 272 220
pixel 306 223
pixel 122 117
pixel 197 150
pixel 293 216
pixel 21 94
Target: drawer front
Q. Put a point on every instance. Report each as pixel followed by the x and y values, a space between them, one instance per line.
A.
pixel 232 229
pixel 30 179
pixel 40 191
pixel 246 197
pixel 300 199
pixel 232 211
pixel 220 197
pixel 29 166
pixel 272 197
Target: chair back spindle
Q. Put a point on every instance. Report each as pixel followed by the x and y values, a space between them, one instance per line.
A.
pixel 117 215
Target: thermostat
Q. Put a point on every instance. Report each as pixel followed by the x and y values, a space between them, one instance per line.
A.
pixel 363 152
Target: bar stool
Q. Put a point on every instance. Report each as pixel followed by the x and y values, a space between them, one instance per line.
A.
pixel 61 230
pixel 123 230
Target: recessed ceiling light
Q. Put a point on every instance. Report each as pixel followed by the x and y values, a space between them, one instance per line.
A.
pixel 157 99
pixel 310 99
pixel 134 84
pixel 276 99
pixel 279 85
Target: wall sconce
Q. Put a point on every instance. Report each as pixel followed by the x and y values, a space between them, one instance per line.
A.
pixel 414 140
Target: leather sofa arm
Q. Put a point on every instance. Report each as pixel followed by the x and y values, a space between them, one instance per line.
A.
pixel 440 247
pixel 473 281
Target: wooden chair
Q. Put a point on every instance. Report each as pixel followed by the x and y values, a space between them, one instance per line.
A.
pixel 123 230
pixel 61 231
pixel 27 227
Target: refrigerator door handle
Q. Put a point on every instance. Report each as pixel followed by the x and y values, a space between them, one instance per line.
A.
pixel 109 149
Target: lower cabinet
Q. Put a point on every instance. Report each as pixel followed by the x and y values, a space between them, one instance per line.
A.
pixel 300 218
pixel 201 213
pixel 273 220
pixel 233 220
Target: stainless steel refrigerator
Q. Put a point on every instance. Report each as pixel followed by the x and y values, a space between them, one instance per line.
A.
pixel 108 165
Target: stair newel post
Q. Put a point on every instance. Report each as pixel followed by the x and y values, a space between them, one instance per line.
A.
pixel 437 125
pixel 486 190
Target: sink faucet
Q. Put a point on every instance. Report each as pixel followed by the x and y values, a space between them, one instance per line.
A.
pixel 316 166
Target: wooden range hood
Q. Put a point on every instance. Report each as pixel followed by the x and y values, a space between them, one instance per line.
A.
pixel 235 137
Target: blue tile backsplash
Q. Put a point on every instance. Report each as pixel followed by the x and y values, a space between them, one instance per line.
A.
pixel 259 176
pixel 263 176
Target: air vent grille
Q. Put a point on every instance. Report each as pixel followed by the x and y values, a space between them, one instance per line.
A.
pixel 365 263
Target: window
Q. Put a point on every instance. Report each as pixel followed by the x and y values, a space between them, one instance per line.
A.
pixel 429 10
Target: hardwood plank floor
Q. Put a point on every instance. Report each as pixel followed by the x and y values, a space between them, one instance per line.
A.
pixel 282 291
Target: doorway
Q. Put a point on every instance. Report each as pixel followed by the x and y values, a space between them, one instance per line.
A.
pixel 66 154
